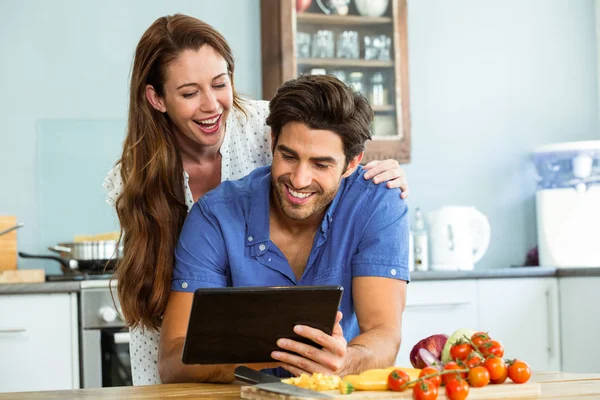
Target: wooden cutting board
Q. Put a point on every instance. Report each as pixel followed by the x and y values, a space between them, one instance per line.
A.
pixel 22 276
pixel 507 390
pixel 8 243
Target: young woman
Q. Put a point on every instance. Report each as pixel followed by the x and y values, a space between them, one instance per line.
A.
pixel 187 131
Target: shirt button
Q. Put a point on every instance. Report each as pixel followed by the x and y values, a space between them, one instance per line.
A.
pixel 393 272
pixel 262 247
pixel 184 285
pixel 250 238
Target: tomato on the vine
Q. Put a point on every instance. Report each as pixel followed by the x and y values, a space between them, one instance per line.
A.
pixel 457 389
pixel 449 377
pixel 460 351
pixel 492 348
pixel 519 371
pixel 397 379
pixel 478 377
pixel 473 360
pixel 425 390
pixel 436 380
pixel 497 369
pixel 479 338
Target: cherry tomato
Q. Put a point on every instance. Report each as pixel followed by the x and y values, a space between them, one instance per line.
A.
pixel 425 390
pixel 436 380
pixel 449 377
pixel 457 389
pixel 460 351
pixel 480 338
pixel 519 371
pixel 473 360
pixel 397 379
pixel 492 348
pixel 478 377
pixel 497 369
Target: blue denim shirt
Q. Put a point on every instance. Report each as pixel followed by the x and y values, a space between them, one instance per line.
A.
pixel 225 240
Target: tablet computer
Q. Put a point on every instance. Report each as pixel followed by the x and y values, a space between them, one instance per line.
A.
pixel 242 324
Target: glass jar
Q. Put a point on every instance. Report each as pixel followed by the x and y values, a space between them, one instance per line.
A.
pixel 355 81
pixel 378 96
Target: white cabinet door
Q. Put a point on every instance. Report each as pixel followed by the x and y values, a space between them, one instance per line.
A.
pixel 434 307
pixel 38 342
pixel 580 324
pixel 523 315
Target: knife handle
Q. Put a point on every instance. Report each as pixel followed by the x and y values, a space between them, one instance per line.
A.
pixel 249 375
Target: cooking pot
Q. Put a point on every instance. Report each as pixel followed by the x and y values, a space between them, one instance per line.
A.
pixel 87 256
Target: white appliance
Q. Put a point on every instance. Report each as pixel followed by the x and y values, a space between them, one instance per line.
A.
pixel 568 204
pixel 459 236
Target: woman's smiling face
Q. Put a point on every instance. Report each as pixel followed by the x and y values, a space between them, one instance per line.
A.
pixel 198 96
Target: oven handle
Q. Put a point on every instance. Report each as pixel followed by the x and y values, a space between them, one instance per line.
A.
pixel 122 337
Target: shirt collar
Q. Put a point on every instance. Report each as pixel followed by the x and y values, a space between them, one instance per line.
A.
pixel 257 229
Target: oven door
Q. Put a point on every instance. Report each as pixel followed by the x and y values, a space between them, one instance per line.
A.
pixel 105 358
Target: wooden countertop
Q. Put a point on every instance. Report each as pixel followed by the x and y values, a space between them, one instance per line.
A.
pixel 555 385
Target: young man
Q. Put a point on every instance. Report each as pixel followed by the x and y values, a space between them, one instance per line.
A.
pixel 309 219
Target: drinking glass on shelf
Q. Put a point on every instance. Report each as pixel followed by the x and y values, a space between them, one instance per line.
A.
pixel 347 45
pixel 318 71
pixel 378 96
pixel 378 47
pixel 303 45
pixel 340 74
pixel 323 44
pixel 355 81
pixel 385 48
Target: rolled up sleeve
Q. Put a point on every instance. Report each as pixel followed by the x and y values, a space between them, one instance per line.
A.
pixel 383 246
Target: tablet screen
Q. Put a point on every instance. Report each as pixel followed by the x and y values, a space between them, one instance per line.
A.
pixel 243 324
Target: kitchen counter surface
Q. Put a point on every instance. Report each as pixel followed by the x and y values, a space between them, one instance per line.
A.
pixel 574 272
pixel 40 288
pixel 491 273
pixel 555 385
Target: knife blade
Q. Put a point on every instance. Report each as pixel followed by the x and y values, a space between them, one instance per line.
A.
pixel 271 383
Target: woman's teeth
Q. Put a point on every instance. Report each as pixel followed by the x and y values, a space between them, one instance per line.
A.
pixel 208 121
pixel 298 194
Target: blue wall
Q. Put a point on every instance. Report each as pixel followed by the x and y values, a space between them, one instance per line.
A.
pixel 489 80
pixel 65 65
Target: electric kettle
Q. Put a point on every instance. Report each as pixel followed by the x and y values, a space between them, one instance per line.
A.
pixel 459 236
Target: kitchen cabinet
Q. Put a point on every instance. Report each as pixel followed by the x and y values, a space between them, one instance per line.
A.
pixel 436 307
pixel 369 53
pixel 580 323
pixel 38 342
pixel 523 314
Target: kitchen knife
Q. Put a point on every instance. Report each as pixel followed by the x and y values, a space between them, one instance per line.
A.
pixel 271 383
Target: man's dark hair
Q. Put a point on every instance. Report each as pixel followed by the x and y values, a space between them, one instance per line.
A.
pixel 323 102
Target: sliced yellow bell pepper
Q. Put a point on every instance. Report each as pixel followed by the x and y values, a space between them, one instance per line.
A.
pixel 376 379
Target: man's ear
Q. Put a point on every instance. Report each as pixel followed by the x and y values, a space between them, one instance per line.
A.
pixel 154 99
pixel 272 143
pixel 353 164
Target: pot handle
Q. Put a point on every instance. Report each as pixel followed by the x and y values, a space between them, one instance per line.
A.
pixel 480 234
pixel 60 249
pixel 68 264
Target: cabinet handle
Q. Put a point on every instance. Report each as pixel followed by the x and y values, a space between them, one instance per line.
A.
pixel 550 325
pixel 12 330
pixel 121 337
pixel 439 304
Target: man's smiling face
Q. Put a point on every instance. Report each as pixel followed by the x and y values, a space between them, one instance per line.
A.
pixel 308 166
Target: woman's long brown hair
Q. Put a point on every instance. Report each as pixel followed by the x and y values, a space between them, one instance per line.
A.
pixel 151 207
